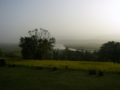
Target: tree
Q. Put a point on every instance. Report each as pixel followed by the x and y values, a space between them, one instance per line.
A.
pixel 110 51
pixel 38 45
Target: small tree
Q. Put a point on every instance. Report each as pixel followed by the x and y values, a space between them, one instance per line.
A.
pixel 38 45
pixel 110 51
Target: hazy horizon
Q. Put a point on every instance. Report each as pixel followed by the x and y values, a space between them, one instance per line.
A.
pixel 64 19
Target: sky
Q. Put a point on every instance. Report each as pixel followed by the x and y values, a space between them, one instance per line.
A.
pixel 64 19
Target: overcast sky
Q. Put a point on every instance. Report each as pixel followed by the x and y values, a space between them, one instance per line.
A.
pixel 65 19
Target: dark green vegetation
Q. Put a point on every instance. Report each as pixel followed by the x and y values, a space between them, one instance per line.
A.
pixel 28 78
pixel 110 51
pixel 106 53
pixel 39 45
pixel 75 55
pixel 21 77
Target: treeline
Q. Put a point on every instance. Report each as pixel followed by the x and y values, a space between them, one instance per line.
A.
pixel 74 55
pixel 109 51
pixel 57 54
pixel 39 46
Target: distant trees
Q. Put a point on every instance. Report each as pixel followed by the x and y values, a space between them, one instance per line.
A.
pixel 88 56
pixel 74 55
pixel 38 45
pixel 110 51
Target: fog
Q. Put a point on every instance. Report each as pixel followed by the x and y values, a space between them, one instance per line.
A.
pixel 64 19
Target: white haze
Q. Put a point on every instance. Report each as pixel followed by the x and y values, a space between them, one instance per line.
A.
pixel 64 19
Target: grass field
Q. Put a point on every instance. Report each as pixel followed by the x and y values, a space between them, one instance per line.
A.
pixel 28 78
pixel 76 65
pixel 25 76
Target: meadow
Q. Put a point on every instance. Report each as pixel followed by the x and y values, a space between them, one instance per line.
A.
pixel 75 65
pixel 28 78
pixel 25 76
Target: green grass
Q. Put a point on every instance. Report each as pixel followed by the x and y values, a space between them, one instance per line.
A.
pixel 27 78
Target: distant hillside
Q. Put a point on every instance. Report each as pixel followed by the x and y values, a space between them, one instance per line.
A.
pixel 81 41
pixel 96 40
pixel 6 47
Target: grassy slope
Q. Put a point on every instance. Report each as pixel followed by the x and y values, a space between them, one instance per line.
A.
pixel 27 78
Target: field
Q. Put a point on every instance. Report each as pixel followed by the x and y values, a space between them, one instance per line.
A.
pixel 28 78
pixel 75 65
pixel 25 76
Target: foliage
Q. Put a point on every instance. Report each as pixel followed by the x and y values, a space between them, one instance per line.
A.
pixel 74 55
pixel 38 45
pixel 76 65
pixel 110 51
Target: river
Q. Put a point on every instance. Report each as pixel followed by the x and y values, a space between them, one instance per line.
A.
pixel 62 47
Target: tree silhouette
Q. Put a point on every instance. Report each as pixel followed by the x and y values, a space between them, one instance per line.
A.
pixel 38 45
pixel 110 51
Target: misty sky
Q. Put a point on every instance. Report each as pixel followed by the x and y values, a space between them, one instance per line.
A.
pixel 65 19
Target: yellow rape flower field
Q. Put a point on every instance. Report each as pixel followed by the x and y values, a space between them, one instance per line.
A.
pixel 77 65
